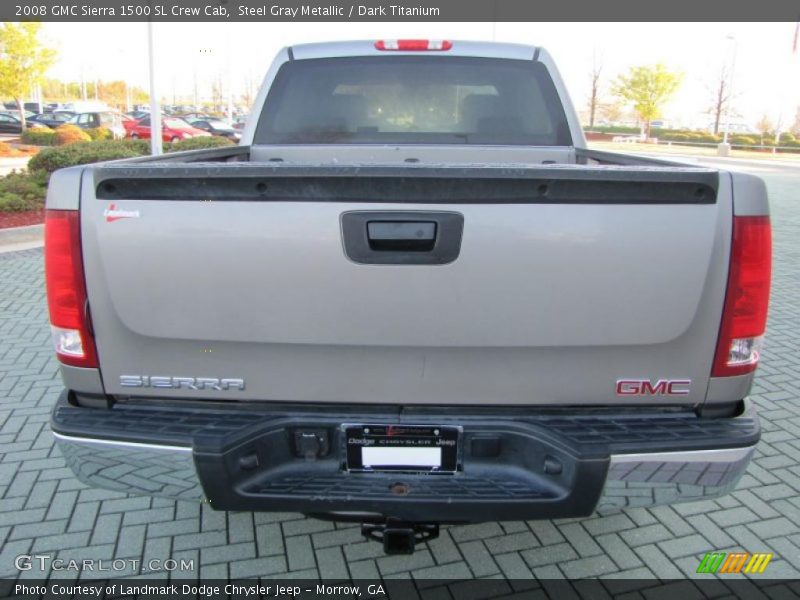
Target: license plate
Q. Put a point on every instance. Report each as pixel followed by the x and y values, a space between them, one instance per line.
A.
pixel 419 448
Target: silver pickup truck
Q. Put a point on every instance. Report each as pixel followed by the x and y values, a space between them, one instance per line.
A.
pixel 410 296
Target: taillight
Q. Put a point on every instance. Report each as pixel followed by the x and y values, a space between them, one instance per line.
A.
pixel 413 45
pixel 66 289
pixel 745 314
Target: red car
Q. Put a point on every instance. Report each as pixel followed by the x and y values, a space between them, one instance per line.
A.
pixel 172 130
pixel 128 123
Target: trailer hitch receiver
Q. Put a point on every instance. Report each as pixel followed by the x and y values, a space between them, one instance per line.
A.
pixel 400 537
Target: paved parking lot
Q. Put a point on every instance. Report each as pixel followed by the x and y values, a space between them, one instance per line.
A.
pixel 44 510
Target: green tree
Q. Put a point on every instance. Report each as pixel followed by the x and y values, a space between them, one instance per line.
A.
pixel 647 88
pixel 60 91
pixel 765 128
pixel 795 128
pixel 23 61
pixel 113 93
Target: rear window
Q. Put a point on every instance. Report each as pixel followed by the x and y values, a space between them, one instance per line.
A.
pixel 177 124
pixel 413 99
pixel 110 119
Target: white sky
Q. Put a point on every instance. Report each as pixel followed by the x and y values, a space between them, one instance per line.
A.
pixel 766 82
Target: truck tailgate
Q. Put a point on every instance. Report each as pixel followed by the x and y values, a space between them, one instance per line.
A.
pixel 566 280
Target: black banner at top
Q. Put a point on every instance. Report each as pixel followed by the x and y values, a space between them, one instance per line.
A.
pixel 398 10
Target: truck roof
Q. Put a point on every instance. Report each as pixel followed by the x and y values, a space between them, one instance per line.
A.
pixel 459 48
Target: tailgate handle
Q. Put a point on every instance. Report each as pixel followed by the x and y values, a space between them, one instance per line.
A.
pixel 401 236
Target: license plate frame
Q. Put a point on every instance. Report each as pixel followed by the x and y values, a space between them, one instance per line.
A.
pixel 381 447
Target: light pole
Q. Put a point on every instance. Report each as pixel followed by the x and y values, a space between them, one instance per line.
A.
pixel 230 76
pixel 724 148
pixel 120 57
pixel 156 147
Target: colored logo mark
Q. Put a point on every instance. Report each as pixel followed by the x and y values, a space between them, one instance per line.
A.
pixel 734 562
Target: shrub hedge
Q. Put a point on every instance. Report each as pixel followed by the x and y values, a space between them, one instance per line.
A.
pixel 26 191
pixel 788 140
pixel 51 159
pixel 39 137
pixel 612 129
pixel 99 133
pixel 743 140
pixel 22 191
pixel 71 134
pixel 689 136
pixel 198 143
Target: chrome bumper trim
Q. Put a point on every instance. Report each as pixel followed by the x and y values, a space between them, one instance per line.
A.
pixel 637 480
pixel 141 469
pixel 131 445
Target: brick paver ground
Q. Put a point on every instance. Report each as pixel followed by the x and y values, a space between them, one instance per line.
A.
pixel 45 510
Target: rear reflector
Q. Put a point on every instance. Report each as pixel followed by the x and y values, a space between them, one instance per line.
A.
pixel 66 289
pixel 744 317
pixel 413 45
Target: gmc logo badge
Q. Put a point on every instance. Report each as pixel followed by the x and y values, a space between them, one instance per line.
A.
pixel 662 387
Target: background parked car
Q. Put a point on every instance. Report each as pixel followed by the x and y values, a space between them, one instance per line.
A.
pixel 128 122
pixel 10 123
pixel 191 116
pixel 110 120
pixel 32 107
pixel 138 114
pixel 216 127
pixel 172 130
pixel 15 113
pixel 51 119
pixel 84 106
pixel 239 122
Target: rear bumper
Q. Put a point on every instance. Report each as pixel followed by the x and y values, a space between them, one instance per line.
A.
pixel 515 463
